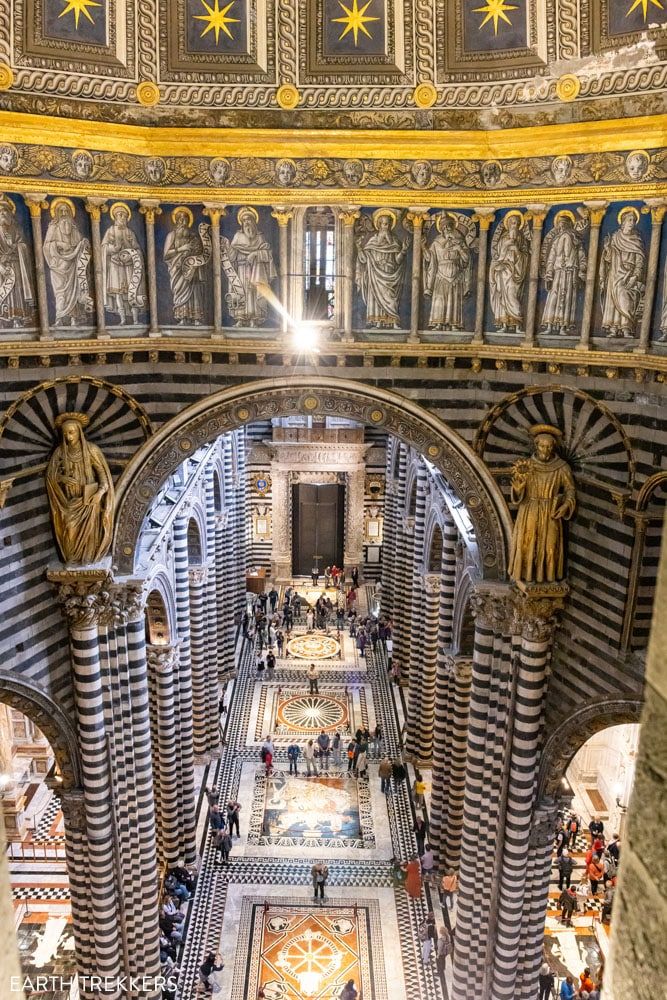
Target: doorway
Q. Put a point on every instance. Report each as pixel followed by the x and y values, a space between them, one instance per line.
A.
pixel 318 519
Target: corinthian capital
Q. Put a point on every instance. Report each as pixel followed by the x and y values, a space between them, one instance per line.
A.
pixel 492 606
pixel 85 596
pixel 198 574
pixel 431 583
pixel 536 611
pixel 162 659
pixel 74 811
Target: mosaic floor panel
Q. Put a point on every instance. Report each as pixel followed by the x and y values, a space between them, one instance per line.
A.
pixel 298 951
pixel 329 811
pixel 288 712
pixel 305 714
pixel 313 646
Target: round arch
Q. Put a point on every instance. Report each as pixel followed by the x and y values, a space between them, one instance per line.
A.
pixel 47 715
pixel 570 736
pixel 314 395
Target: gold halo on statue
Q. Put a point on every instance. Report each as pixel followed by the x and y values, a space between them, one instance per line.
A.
pixel 246 211
pixel 119 204
pixel 379 212
pixel 80 418
pixel 53 207
pixel 624 211
pixel 545 429
pixel 148 94
pixel 425 95
pixel 8 203
pixel 183 210
pixel 566 214
pixel 287 96
pixel 441 218
pixel 518 214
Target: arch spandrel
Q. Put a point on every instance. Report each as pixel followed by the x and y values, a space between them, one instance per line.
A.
pixel 207 419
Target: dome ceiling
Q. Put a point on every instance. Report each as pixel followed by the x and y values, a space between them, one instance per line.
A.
pixel 425 64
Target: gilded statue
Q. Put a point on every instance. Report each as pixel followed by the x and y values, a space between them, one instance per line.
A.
pixel 543 488
pixel 81 494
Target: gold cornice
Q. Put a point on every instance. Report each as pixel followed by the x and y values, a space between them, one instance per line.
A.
pixel 540 140
pixel 394 197
pixel 571 358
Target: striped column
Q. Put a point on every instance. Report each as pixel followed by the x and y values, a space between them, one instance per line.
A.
pixel 415 635
pixel 450 544
pixel 84 597
pixel 199 661
pixel 533 631
pixel 426 655
pixel 453 686
pixel 402 596
pixel 162 668
pixel 485 763
pixel 183 691
pixel 76 853
pixel 389 533
pixel 211 604
pixel 229 568
pixel 225 649
pixel 242 523
pixel 536 898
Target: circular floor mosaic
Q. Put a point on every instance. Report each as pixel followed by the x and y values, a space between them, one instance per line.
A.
pixel 306 712
pixel 313 647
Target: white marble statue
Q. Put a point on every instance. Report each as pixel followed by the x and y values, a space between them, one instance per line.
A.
pixel 622 276
pixel 17 297
pixel 448 270
pixel 123 271
pixel 380 271
pixel 246 261
pixel 67 253
pixel 563 260
pixel 510 254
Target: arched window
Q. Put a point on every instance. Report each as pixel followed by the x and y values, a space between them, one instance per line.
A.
pixel 319 264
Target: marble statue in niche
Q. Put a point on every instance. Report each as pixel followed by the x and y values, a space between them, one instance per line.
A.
pixel 246 260
pixel 510 254
pixel 563 260
pixel 17 297
pixel 186 254
pixel 9 158
pixel 622 276
pixel 81 494
pixel 123 269
pixel 380 270
pixel 448 270
pixel 543 489
pixel 67 253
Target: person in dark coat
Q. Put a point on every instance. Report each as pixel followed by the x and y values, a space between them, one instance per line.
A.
pixel 568 904
pixel 565 868
pixel 420 831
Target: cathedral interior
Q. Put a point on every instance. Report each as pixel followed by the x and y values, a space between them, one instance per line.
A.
pixel 333 468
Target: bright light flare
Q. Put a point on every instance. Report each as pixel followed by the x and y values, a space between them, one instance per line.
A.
pixel 305 337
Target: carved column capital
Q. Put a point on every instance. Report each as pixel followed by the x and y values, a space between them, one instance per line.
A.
pixel 537 214
pixel 214 211
pixel 536 609
pixel 85 595
pixel 492 606
pixel 417 216
pixel 484 217
pixel 36 203
pixel 73 806
pixel 543 825
pixel 128 598
pixel 150 207
pixel 657 209
pixel 95 207
pixel 198 574
pixel 408 525
pixel 596 211
pixel 431 583
pixel 282 216
pixel 162 659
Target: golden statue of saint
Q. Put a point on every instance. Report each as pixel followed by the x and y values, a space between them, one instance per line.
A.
pixel 81 494
pixel 543 489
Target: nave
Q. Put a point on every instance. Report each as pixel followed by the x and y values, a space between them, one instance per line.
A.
pixel 258 912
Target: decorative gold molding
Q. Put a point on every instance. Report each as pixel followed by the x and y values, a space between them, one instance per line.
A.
pixel 576 137
pixel 287 96
pixel 6 76
pixel 568 87
pixel 425 95
pixel 148 94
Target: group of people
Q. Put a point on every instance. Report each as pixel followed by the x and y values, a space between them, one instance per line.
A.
pixel 600 868
pixel 587 989
pixel 223 821
pixel 178 888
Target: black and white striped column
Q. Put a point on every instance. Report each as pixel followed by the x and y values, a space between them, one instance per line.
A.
pixel 241 525
pixel 183 691
pixel 162 668
pixel 211 603
pixel 199 662
pixel 225 647
pixel 389 531
pixel 423 673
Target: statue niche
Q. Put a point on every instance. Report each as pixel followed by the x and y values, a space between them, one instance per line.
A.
pixel 81 494
pixel 543 489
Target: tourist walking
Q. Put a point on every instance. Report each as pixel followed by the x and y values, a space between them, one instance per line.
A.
pixel 233 810
pixel 428 935
pixel 595 871
pixel 293 754
pixel 419 790
pixel 413 881
pixel 212 963
pixel 313 687
pixel 349 991
pixel 351 754
pixel 444 948
pixel 546 981
pixel 223 845
pixel 449 886
pixel 336 747
pixel 420 829
pixel 323 743
pixel 309 758
pixel 568 904
pixel 319 874
pixel 310 620
pixel 384 770
pixel 565 868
